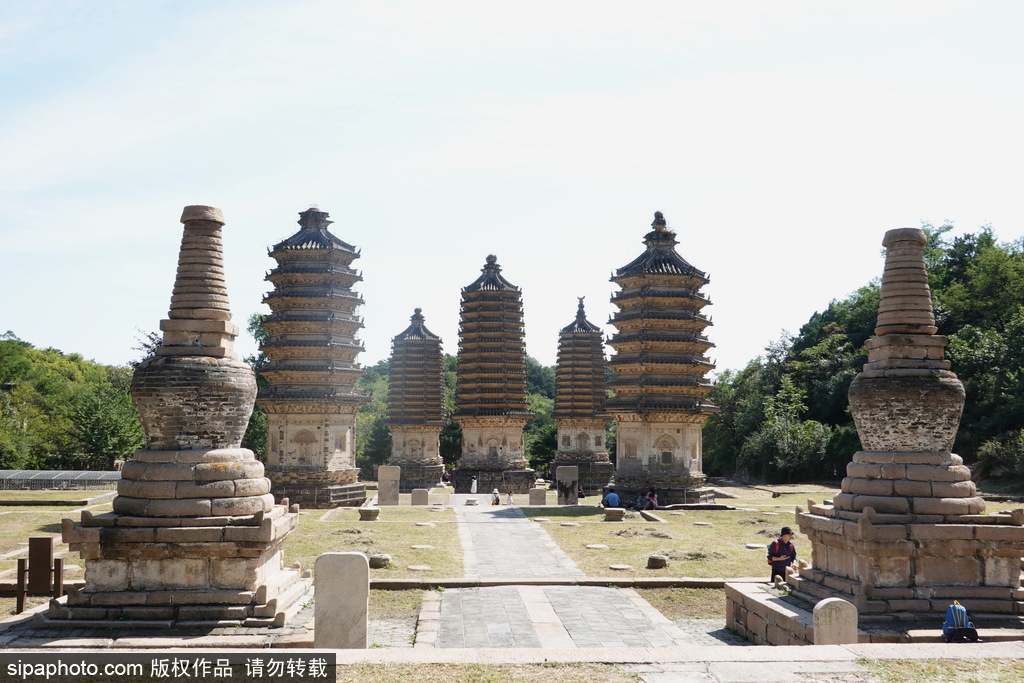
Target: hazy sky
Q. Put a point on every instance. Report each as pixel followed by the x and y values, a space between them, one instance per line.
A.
pixel 780 139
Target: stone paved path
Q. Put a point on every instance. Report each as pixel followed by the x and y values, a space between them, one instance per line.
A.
pixel 500 542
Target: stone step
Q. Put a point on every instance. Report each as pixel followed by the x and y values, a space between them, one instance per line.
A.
pixel 279 583
pixel 159 598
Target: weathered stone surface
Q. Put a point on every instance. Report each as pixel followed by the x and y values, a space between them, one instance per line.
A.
pixel 538 496
pixel 835 622
pixel 341 607
pixel 420 497
pixel 567 484
pixel 388 477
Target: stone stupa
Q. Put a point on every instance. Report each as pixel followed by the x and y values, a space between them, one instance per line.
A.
pixel 491 395
pixel 906 536
pixel 579 403
pixel 310 398
pixel 195 539
pixel 660 364
pixel 416 405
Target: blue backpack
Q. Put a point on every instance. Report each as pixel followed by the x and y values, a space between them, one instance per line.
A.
pixel 958 627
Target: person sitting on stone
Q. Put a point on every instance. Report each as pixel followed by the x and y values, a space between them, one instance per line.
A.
pixel 781 553
pixel 580 493
pixel 496 497
pixel 651 500
pixel 611 500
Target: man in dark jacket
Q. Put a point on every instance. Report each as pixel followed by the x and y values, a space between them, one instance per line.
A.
pixel 781 553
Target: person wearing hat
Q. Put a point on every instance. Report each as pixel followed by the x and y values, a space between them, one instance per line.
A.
pixel 781 553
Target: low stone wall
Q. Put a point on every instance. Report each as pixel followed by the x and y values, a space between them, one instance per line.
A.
pixel 764 619
pixel 518 481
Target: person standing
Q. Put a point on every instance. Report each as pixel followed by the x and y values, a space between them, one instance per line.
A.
pixel 509 501
pixel 472 486
pixel 781 553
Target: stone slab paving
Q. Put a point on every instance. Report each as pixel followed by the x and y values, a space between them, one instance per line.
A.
pixel 500 542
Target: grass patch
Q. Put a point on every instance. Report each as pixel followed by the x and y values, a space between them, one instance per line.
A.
pixel 686 603
pixel 395 604
pixel 484 673
pixel 717 551
pixel 393 533
pixel 932 670
pixel 9 604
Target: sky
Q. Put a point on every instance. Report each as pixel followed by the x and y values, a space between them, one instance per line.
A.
pixel 780 140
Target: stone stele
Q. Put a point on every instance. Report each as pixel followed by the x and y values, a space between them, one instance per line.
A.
pixel 195 537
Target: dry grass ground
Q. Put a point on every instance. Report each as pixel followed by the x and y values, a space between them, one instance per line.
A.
pixel 394 533
pixel 479 673
pixel 686 603
pixel 940 671
pixel 694 550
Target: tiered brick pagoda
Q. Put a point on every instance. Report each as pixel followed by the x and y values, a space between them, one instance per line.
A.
pixel 660 382
pixel 491 394
pixel 579 402
pixel 311 400
pixel 416 405
pixel 906 536
pixel 195 539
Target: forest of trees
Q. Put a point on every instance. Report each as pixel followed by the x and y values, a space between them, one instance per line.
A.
pixel 784 417
pixel 60 411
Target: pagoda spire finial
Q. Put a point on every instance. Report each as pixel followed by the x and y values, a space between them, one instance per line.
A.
pixel 659 223
pixel 580 314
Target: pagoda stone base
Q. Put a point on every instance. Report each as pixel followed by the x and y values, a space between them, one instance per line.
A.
pixel 516 481
pixel 671 490
pixel 419 476
pixel 886 568
pixel 316 488
pixel 181 572
pixel 594 476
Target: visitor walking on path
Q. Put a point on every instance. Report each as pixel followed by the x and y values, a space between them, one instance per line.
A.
pixel 781 553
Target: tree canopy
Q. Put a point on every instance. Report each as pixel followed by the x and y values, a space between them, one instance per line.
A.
pixel 785 415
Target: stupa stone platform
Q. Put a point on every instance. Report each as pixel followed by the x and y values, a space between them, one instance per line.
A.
pixel 194 537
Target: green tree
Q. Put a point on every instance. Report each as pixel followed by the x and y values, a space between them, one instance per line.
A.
pixel 540 436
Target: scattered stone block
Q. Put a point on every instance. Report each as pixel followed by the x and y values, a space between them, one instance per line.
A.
pixel 703 524
pixel 420 497
pixel 424 524
pixel 538 496
pixel 614 514
pixel 756 546
pixel 657 561
pixel 569 524
pixel 835 622
pixel 419 568
pixel 541 519
pixel 620 567
pixel 388 477
pixel 342 601
pixel 422 547
pixel 369 514
pixel 472 501
pixel 597 546
pixel 379 561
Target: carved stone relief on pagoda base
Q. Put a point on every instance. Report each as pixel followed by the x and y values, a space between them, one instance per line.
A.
pixel 491 446
pixel 581 440
pixel 322 442
pixel 516 481
pixel 594 476
pixel 691 418
pixel 320 406
pixel 415 445
pixel 660 449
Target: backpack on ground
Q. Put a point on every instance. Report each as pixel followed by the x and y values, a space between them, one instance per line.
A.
pixel 957 627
